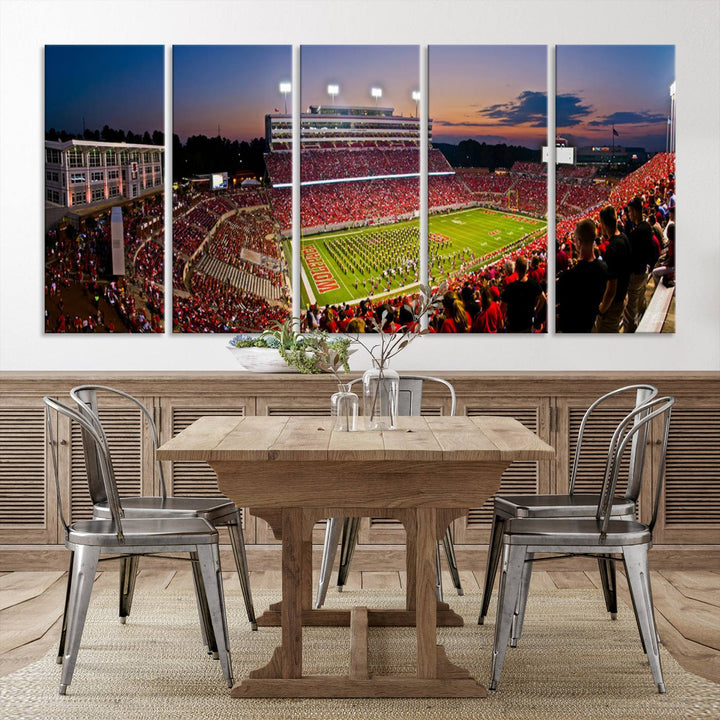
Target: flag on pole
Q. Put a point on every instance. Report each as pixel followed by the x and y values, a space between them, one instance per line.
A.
pixel 615 133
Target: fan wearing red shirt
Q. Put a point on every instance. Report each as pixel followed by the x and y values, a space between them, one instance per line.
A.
pixel 490 319
pixel 457 319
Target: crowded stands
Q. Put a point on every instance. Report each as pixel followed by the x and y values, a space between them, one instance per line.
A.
pixel 82 295
pixel 643 201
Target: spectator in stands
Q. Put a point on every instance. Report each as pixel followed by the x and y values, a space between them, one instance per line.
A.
pixel 467 295
pixel 490 318
pixel 522 299
pixel 643 255
pixel 457 319
pixel 666 265
pixel 580 289
pixel 562 261
pixel 617 259
pixel 356 325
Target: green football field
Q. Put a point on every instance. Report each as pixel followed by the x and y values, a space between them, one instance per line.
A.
pixel 375 261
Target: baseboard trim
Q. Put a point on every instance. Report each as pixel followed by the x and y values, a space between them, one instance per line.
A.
pixel 14 558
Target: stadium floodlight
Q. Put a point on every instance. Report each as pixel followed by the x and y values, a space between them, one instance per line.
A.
pixel 285 88
pixel 376 92
pixel 416 98
pixel 333 90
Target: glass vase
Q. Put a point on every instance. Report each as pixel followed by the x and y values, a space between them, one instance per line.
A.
pixel 344 408
pixel 381 387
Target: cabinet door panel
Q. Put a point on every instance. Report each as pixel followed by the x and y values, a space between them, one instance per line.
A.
pixel 28 510
pixel 690 503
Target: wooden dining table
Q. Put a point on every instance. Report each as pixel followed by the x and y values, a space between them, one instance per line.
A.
pixel 294 471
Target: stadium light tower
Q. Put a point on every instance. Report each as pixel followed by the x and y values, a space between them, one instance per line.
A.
pixel 285 88
pixel 416 98
pixel 333 90
pixel 376 92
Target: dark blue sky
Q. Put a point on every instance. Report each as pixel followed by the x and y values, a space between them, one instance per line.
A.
pixel 233 86
pixel 627 86
pixel 116 85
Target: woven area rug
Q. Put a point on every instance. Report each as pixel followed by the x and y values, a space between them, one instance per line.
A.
pixel 573 662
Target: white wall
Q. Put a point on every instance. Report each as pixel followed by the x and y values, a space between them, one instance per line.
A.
pixel 691 25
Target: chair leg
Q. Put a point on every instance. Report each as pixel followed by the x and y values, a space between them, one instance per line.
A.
pixel 449 548
pixel 128 574
pixel 238 546
pixel 351 527
pixel 63 632
pixel 438 574
pixel 494 553
pixel 333 528
pixel 206 629
pixel 209 561
pixel 607 577
pixel 510 580
pixel 81 583
pixel 638 577
pixel 519 617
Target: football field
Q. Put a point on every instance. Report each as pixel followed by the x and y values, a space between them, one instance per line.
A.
pixel 372 261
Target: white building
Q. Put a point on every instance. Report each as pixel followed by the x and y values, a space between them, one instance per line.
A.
pixel 82 173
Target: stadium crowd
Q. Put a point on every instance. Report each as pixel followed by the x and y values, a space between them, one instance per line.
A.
pixel 213 306
pixel 606 256
pixel 485 295
pixel 78 273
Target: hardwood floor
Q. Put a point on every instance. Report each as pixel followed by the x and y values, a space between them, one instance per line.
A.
pixel 687 605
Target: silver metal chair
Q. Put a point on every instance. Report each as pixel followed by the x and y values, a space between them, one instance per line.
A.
pixel 123 537
pixel 218 511
pixel 604 536
pixel 572 504
pixel 409 403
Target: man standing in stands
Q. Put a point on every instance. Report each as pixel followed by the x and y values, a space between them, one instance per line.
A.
pixel 617 259
pixel 522 299
pixel 643 254
pixel 580 289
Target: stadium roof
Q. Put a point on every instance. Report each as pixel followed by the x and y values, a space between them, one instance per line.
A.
pixel 63 145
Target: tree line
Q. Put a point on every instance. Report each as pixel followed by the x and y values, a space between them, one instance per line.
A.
pixel 471 153
pixel 108 134
pixel 201 155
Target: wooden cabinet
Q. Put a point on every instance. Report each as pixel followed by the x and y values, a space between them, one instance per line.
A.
pixel 28 509
pixel 550 404
pixel 690 502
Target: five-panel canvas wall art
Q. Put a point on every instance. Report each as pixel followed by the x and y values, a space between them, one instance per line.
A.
pixel 368 237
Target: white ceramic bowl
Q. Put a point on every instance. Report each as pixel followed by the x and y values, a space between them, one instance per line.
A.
pixel 261 360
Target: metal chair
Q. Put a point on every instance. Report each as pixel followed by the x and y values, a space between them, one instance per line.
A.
pixel 218 511
pixel 572 504
pixel 123 537
pixel 604 536
pixel 409 403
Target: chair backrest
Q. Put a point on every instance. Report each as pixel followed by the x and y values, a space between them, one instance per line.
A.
pixel 101 456
pixel 643 394
pixel 635 423
pixel 410 393
pixel 86 397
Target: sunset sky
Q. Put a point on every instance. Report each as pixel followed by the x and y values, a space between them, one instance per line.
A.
pixel 395 69
pixel 491 93
pixel 624 85
pixel 116 85
pixel 233 86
